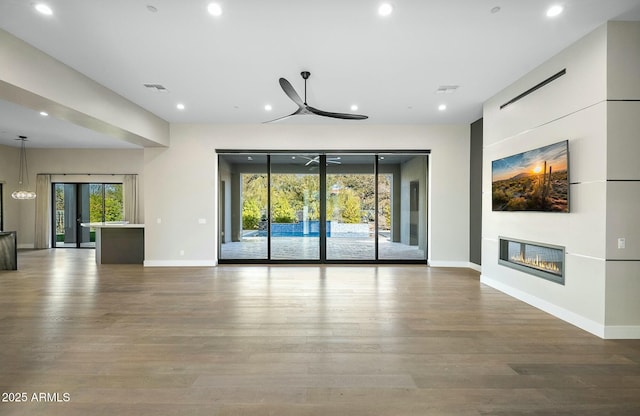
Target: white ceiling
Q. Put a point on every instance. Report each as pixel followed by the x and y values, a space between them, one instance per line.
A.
pixel 225 69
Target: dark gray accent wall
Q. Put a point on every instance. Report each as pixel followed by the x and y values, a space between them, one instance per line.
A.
pixel 475 194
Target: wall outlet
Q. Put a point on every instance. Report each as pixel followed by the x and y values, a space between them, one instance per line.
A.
pixel 202 221
pixel 182 252
pixel 158 220
pixel 622 243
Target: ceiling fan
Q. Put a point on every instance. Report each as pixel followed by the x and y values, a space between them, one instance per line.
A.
pixel 335 160
pixel 304 108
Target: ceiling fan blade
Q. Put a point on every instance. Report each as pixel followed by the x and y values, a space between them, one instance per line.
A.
pixel 343 116
pixel 314 160
pixel 291 93
pixel 295 113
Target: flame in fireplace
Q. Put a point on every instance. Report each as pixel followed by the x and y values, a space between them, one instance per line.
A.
pixel 537 263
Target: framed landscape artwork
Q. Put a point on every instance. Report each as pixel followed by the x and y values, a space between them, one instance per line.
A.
pixel 535 180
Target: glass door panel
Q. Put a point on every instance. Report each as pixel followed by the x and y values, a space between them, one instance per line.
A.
pixel 350 202
pixel 66 207
pixel 295 207
pixel 90 209
pixel 113 202
pixel 402 205
pixel 243 221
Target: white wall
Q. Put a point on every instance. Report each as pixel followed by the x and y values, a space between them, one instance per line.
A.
pixel 602 137
pixel 623 186
pixel 181 181
pixel 20 215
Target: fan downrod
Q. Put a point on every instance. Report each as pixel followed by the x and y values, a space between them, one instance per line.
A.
pixel 305 74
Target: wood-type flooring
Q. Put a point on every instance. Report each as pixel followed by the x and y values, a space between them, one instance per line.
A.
pixel 82 339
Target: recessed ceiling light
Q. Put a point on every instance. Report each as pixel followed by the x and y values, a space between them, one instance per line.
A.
pixel 44 9
pixel 268 107
pixel 44 113
pixel 354 107
pixel 442 107
pixel 180 106
pixel 152 9
pixel 385 9
pixel 495 10
pixel 554 11
pixel 214 9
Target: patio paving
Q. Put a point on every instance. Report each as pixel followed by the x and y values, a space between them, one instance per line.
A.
pixel 307 248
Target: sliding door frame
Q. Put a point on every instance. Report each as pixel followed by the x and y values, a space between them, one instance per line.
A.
pixel 323 205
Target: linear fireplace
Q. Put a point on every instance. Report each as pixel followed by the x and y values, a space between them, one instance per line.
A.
pixel 538 259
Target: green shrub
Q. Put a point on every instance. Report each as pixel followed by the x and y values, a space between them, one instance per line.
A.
pixel 250 214
pixel 351 212
pixel 282 210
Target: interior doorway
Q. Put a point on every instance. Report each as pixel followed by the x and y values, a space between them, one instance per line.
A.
pixel 323 207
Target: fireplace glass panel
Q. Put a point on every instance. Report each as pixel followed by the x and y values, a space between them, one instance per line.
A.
pixel 542 260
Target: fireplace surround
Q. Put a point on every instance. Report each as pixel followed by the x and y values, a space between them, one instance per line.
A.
pixel 539 259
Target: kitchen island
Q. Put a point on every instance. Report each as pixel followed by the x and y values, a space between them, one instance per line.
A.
pixel 118 242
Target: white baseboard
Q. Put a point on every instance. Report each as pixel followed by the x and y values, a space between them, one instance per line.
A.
pixel 180 263
pixel 602 331
pixel 458 264
pixel 475 267
pixel 28 246
pixel 561 313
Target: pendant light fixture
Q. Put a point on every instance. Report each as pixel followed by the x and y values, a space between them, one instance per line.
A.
pixel 21 193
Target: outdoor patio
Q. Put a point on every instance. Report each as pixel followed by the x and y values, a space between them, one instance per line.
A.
pixel 307 248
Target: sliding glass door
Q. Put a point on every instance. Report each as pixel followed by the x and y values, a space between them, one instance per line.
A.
pixel 322 207
pixel 351 207
pixel 295 207
pixel 77 203
pixel 243 206
pixel 402 206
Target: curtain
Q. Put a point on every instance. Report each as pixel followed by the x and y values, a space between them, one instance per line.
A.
pixel 43 212
pixel 130 189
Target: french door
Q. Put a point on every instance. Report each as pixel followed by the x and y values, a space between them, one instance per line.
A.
pixel 322 207
pixel 77 203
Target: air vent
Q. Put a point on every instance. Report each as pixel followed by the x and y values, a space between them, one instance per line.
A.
pixel 447 89
pixel 535 87
pixel 157 87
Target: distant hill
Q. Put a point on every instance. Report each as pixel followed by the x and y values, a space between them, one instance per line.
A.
pixel 520 175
